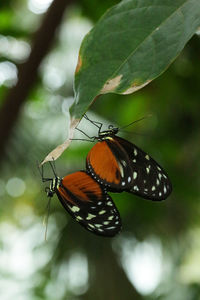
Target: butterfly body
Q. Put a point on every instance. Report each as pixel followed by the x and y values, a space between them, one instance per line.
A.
pixel 107 134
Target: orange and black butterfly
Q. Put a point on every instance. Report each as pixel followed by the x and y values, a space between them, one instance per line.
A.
pixel 120 165
pixel 86 201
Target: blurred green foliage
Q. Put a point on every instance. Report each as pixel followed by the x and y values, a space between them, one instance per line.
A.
pixel 74 264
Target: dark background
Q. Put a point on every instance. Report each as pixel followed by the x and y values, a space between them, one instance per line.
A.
pixel 157 254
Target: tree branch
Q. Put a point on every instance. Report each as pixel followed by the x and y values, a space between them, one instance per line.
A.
pixel 27 72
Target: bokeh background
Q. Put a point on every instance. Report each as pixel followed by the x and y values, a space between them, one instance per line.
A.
pixel 157 254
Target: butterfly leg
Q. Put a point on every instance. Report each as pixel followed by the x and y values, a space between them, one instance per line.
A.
pixel 53 167
pixel 91 138
pixel 95 123
pixel 41 171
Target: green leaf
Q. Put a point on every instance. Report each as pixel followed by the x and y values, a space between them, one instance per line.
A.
pixel 133 43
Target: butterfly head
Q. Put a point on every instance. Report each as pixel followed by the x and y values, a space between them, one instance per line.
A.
pixel 111 131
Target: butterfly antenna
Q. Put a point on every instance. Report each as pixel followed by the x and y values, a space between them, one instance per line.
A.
pixel 41 171
pixel 135 133
pixel 46 218
pixel 88 119
pixel 136 121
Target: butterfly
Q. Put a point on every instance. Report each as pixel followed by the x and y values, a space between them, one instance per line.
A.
pixel 120 165
pixel 86 201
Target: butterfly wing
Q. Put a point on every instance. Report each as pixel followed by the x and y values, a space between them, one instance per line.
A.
pixel 150 181
pixel 109 164
pixel 88 203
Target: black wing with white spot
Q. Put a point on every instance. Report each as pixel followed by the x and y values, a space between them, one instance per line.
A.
pixel 89 204
pixel 150 181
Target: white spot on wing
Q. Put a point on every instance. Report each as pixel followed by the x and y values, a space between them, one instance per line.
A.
pixel 134 175
pixel 136 188
pixel 90 216
pixel 124 163
pixel 121 169
pixel 106 223
pixel 92 226
pixel 74 208
pixel 98 225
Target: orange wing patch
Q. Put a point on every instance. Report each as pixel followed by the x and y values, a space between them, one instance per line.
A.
pixel 82 186
pixel 104 163
pixel 63 193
